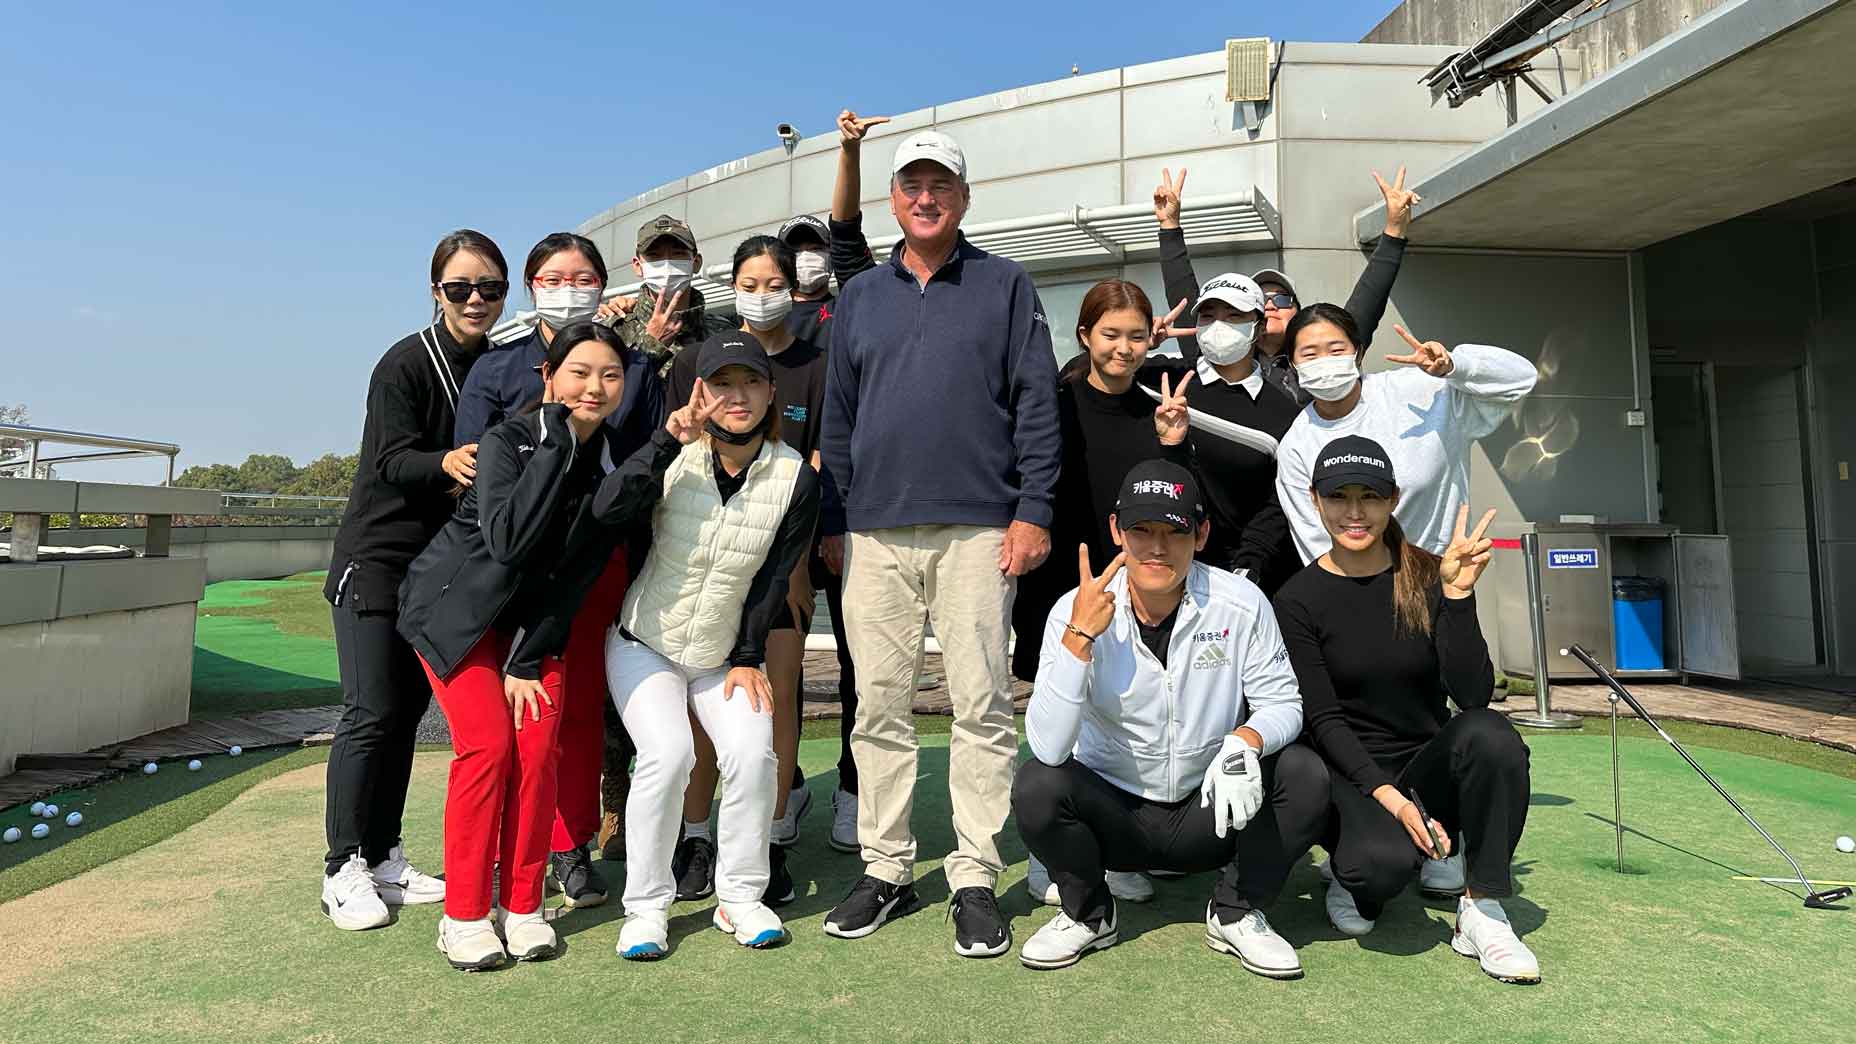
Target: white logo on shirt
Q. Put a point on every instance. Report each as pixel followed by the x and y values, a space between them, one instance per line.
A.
pixel 1209 658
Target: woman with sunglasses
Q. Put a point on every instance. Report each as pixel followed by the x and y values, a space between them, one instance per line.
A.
pixel 399 499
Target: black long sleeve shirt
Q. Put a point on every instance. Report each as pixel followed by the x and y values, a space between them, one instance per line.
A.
pixel 1104 436
pixel 1371 694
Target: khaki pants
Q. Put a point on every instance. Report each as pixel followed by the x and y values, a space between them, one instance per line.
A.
pixel 891 576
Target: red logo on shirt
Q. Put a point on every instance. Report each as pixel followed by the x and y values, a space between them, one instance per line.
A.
pixel 824 312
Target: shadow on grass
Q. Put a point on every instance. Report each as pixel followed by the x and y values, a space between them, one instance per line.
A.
pixel 225 685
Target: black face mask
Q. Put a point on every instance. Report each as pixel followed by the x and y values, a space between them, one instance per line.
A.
pixel 743 438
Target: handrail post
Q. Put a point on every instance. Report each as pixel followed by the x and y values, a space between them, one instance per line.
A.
pixel 1544 716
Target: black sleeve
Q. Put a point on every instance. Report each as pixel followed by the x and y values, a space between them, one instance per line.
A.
pixel 1265 540
pixel 627 496
pixel 1181 282
pixel 1367 304
pixel 766 599
pixel 401 431
pixel 678 385
pixel 516 501
pixel 1463 654
pixel 850 251
pixel 1323 720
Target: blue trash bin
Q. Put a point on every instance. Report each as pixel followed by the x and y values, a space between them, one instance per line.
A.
pixel 1637 622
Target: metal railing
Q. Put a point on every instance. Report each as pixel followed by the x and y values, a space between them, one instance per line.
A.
pixel 283 505
pixel 115 447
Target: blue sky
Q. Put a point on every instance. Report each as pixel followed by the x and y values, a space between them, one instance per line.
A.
pixel 214 219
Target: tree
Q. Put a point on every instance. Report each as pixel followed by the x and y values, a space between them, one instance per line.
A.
pixel 329 475
pixel 11 448
pixel 222 477
pixel 264 473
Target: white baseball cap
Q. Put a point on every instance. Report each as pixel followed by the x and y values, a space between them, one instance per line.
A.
pixel 931 145
pixel 1238 291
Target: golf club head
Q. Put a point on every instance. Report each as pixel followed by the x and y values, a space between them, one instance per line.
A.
pixel 1823 900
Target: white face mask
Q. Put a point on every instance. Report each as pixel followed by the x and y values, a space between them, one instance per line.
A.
pixel 764 311
pixel 814 270
pixel 561 305
pixel 1223 343
pixel 664 276
pixel 1330 377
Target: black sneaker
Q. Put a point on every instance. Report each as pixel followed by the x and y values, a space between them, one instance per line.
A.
pixel 580 884
pixel 780 890
pixel 693 865
pixel 871 904
pixel 979 928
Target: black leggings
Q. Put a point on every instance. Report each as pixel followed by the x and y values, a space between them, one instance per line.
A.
pixel 1079 825
pixel 1472 777
pixel 833 585
pixel 384 694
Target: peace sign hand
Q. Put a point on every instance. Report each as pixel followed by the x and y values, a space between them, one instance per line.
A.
pixel 666 320
pixel 851 129
pixel 1094 607
pixel 1399 201
pixel 1171 417
pixel 1466 557
pixel 1166 197
pixel 1164 328
pixel 686 424
pixel 1430 356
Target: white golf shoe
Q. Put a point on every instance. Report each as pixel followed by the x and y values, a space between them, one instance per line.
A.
pixel 752 924
pixel 1343 913
pixel 1254 943
pixel 400 884
pixel 1443 878
pixel 645 936
pixel 1483 932
pixel 786 828
pixel 350 898
pixel 1062 942
pixel 470 945
pixel 844 821
pixel 528 937
pixel 1124 885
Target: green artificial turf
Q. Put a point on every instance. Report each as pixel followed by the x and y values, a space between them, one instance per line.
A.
pixel 264 645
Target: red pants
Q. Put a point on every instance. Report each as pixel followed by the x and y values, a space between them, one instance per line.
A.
pixel 583 720
pixel 502 784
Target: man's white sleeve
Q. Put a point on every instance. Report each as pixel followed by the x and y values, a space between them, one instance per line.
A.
pixel 1485 385
pixel 1272 697
pixel 1055 715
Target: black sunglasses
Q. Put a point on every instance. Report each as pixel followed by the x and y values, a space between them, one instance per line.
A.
pixel 458 291
pixel 1278 301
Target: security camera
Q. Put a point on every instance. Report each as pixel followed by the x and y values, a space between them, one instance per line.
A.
pixel 789 135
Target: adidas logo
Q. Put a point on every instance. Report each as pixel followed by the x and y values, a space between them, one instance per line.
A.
pixel 1210 658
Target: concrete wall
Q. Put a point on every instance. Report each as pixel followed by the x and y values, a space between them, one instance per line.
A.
pixel 1599 47
pixel 233 552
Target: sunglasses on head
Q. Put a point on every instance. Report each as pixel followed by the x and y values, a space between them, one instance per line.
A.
pixel 491 290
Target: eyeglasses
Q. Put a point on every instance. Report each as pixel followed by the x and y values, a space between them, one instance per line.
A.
pixel 491 290
pixel 1278 301
pixel 554 280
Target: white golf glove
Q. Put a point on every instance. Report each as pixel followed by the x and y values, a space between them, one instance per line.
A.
pixel 1233 785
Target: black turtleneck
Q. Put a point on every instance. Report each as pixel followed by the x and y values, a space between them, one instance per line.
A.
pixel 1104 437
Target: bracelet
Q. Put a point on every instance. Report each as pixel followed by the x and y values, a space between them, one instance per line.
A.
pixel 1080 633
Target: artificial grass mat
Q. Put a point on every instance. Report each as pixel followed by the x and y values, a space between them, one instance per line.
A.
pixel 264 645
pixel 214 934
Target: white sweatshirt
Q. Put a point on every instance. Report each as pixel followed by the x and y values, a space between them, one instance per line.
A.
pixel 1425 423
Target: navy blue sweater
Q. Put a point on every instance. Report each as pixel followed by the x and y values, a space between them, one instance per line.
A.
pixel 506 379
pixel 941 401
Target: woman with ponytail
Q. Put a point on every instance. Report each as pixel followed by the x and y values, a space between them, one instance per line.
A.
pixel 1381 632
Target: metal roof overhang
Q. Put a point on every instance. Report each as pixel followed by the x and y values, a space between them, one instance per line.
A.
pixel 1753 105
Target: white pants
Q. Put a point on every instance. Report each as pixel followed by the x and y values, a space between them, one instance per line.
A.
pixel 655 698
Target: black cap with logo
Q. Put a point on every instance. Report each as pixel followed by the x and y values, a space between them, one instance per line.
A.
pixel 801 226
pixel 1354 460
pixel 732 348
pixel 1160 491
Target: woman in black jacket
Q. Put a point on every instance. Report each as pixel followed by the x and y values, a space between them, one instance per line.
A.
pixel 401 496
pixel 488 606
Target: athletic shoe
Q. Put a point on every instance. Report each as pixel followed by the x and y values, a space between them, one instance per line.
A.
pixel 528 937
pixel 980 930
pixel 573 873
pixel 1442 878
pixel 1254 943
pixel 612 837
pixel 1483 932
pixel 1126 886
pixel 871 904
pixel 350 898
pixel 693 865
pixel 470 945
pixel 1343 913
pixel 399 884
pixel 780 890
pixel 752 924
pixel 786 828
pixel 1062 942
pixel 645 936
pixel 844 821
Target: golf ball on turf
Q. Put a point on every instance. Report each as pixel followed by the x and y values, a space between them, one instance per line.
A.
pixel 11 835
pixel 236 750
pixel 150 769
pixel 74 819
pixel 1846 843
pixel 40 830
pixel 38 808
pixel 51 811
pixel 194 765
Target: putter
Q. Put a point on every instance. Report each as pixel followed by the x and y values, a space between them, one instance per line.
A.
pixel 1813 899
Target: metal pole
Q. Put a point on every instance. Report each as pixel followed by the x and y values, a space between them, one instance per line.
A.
pixel 32 458
pixel 1544 717
pixel 1617 793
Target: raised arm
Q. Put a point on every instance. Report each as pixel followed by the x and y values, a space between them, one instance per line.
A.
pixel 1182 284
pixel 850 250
pixel 1367 303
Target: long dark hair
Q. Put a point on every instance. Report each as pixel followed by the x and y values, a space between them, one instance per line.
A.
pixel 1414 577
pixel 573 336
pixel 1320 312
pixel 555 243
pixel 754 246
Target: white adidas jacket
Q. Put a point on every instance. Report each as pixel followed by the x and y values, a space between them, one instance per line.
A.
pixel 1154 731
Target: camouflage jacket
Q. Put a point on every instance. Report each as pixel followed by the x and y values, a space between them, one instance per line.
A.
pixel 698 325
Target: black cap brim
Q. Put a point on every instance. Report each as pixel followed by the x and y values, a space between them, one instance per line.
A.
pixel 1135 514
pixel 1377 483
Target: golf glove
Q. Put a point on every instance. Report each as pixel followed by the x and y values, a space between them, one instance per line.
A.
pixel 1233 785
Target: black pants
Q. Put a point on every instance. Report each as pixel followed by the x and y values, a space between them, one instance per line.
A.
pixel 1079 825
pixel 1472 777
pixel 384 694
pixel 833 585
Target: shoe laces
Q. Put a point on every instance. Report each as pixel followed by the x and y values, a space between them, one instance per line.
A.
pixel 971 903
pixel 1255 923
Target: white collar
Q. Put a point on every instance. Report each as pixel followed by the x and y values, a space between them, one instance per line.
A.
pixel 1252 384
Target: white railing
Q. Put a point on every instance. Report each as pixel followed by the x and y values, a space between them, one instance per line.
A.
pixel 115 447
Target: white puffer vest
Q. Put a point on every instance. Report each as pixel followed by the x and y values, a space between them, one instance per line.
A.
pixel 686 603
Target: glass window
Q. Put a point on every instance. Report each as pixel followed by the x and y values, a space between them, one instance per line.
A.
pixel 1062 303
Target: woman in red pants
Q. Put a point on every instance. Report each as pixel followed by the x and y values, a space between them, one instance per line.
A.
pixel 488 606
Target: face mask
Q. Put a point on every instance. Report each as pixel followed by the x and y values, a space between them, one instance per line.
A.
pixel 814 269
pixel 740 438
pixel 1223 343
pixel 764 311
pixel 1330 377
pixel 663 276
pixel 561 305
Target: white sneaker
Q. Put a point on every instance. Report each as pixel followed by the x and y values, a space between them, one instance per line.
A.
pixel 400 884
pixel 752 924
pixel 349 898
pixel 1254 943
pixel 645 936
pixel 786 828
pixel 1443 878
pixel 844 821
pixel 1062 942
pixel 1344 913
pixel 470 945
pixel 1125 885
pixel 528 937
pixel 1483 932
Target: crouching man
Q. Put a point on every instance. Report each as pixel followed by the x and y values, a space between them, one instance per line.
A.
pixel 1162 724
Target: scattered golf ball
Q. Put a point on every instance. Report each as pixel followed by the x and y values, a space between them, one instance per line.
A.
pixel 236 750
pixel 194 765
pixel 51 811
pixel 150 769
pixel 38 808
pixel 11 835
pixel 40 830
pixel 1846 843
pixel 74 819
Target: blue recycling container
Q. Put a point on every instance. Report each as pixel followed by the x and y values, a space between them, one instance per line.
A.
pixel 1637 622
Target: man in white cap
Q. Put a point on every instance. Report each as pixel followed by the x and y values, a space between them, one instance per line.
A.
pixel 941 433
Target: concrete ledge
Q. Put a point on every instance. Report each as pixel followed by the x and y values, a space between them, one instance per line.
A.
pixel 112 498
pixel 38 496
pixel 28 592
pixel 86 588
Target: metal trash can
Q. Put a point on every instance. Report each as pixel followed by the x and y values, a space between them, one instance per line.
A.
pixel 1637 622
